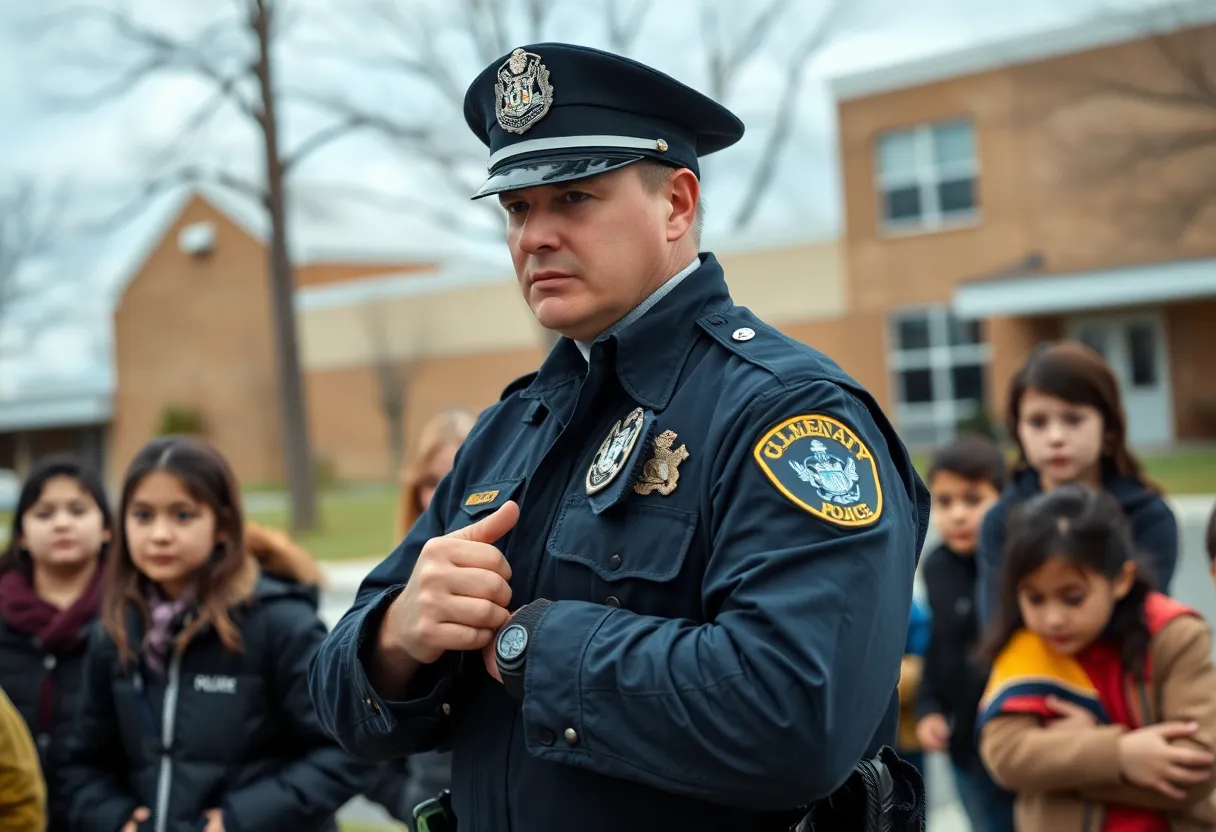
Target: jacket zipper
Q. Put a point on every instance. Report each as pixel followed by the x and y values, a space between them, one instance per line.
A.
pixel 164 783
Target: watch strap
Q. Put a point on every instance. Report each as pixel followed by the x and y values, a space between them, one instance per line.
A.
pixel 527 616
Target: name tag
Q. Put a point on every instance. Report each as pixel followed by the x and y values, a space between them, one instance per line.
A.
pixel 480 498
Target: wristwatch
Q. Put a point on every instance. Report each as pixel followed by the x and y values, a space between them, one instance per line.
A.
pixel 511 645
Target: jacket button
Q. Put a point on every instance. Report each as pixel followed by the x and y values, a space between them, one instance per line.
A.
pixel 545 736
pixel 49 662
pixel 570 736
pixel 447 709
pixel 612 601
pixel 614 562
pixel 44 741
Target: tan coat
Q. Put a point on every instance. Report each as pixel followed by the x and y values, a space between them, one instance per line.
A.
pixel 22 790
pixel 1064 778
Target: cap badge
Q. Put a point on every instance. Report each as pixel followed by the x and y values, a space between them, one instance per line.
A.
pixel 523 93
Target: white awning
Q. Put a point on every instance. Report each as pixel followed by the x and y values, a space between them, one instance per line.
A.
pixel 1051 294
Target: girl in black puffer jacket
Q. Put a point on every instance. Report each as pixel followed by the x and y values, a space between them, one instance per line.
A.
pixel 195 712
pixel 50 588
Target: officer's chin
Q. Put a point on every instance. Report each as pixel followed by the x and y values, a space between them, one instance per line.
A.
pixel 563 316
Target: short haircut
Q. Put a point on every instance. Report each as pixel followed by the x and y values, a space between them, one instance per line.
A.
pixel 973 457
pixel 655 175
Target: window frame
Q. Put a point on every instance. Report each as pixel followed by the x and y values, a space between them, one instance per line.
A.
pixel 942 415
pixel 927 175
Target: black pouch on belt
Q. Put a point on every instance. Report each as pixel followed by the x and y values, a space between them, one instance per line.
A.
pixel 883 794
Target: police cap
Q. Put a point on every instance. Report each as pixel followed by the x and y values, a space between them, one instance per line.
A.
pixel 556 112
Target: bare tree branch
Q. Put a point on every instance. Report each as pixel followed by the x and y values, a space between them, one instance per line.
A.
pixel 727 60
pixel 1156 152
pixel 155 186
pixel 786 115
pixel 1189 61
pixel 426 210
pixel 392 383
pixel 321 138
pixel 157 52
pixel 30 225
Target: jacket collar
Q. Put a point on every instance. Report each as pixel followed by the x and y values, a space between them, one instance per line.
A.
pixel 647 354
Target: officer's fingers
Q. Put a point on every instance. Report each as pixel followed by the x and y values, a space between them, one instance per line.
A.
pixel 473 555
pixel 489 529
pixel 474 612
pixel 479 583
pixel 449 636
pixel 142 814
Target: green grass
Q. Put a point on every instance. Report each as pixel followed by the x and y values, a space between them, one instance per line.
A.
pixel 352 524
pixel 1187 470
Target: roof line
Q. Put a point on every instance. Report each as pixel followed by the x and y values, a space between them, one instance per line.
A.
pixel 396 285
pixel 1094 32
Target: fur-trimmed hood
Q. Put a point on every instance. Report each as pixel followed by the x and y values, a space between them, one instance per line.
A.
pixel 281 557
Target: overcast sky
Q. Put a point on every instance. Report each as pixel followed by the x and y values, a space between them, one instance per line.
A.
pixel 100 153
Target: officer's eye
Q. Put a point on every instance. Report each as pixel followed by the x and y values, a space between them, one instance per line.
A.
pixel 571 197
pixel 515 207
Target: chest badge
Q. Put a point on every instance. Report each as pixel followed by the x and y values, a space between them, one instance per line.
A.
pixel 662 471
pixel 615 452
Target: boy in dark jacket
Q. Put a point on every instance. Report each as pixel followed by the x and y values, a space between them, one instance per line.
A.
pixel 965 478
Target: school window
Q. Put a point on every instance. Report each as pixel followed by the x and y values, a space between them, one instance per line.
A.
pixel 938 363
pixel 927 175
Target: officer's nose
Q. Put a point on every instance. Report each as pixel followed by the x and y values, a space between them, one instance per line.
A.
pixel 539 232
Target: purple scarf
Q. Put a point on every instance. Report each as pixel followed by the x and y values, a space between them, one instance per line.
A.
pixel 61 632
pixel 165 615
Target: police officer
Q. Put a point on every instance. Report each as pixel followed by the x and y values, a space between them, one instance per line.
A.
pixel 667 584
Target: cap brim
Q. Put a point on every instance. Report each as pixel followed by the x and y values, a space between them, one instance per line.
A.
pixel 551 170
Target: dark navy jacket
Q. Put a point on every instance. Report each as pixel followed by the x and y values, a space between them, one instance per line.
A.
pixel 234 731
pixel 716 656
pixel 1154 530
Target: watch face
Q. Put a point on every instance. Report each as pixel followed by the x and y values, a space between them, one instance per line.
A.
pixel 511 642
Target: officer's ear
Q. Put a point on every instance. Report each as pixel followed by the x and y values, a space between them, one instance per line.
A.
pixel 683 192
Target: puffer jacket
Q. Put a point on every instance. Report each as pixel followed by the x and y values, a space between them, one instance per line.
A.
pixel 1154 530
pixel 233 731
pixel 43 682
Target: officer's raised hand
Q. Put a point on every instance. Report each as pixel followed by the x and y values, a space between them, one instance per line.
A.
pixel 456 598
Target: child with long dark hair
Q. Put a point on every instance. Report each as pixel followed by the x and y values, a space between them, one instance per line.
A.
pixel 50 592
pixel 196 713
pixel 1066 416
pixel 1099 711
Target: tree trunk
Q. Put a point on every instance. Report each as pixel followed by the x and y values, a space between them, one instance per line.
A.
pixel 297 456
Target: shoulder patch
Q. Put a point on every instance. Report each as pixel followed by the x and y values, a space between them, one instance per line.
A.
pixel 517 385
pixel 822 466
